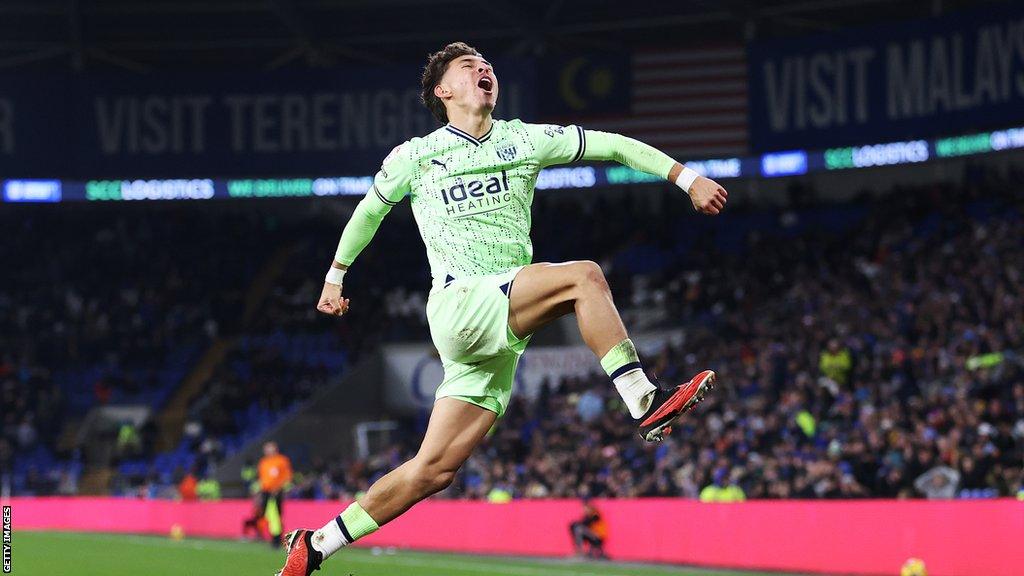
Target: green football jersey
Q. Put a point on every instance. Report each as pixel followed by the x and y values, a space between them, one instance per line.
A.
pixel 471 197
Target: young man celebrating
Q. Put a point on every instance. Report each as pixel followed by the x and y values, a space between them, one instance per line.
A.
pixel 471 185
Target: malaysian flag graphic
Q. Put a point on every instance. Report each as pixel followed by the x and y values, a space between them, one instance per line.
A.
pixel 691 104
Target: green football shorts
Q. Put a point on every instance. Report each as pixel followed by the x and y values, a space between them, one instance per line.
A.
pixel 469 326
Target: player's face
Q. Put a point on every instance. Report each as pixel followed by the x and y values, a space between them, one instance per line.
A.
pixel 471 83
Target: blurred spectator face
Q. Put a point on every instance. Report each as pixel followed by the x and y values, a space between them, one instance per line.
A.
pixel 270 449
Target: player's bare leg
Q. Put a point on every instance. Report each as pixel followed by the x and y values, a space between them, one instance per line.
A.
pixel 455 429
pixel 544 292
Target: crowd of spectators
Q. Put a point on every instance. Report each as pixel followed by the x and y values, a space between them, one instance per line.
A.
pixel 33 411
pixel 264 375
pixel 852 364
pixel 279 352
pixel 106 305
pixel 860 346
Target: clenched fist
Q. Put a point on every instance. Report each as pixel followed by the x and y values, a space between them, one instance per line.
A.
pixel 708 196
pixel 331 301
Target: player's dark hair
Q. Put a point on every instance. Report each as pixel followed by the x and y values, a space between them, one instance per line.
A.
pixel 437 63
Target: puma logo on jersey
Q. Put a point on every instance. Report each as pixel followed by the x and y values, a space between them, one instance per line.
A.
pixel 439 163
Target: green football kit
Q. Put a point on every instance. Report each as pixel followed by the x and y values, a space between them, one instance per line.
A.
pixel 471 198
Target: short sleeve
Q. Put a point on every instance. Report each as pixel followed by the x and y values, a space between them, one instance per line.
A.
pixel 392 181
pixel 555 144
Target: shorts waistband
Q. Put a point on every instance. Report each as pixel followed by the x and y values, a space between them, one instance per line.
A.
pixel 439 283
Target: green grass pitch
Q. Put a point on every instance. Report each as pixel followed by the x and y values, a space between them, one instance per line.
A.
pixel 60 553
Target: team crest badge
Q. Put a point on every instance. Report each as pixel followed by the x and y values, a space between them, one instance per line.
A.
pixel 506 151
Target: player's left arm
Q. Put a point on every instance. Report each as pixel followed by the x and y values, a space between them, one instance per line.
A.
pixel 562 145
pixel 708 196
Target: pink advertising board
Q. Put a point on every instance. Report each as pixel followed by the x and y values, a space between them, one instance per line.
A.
pixel 955 538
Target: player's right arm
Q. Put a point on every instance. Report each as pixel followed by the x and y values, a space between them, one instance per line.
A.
pixel 390 185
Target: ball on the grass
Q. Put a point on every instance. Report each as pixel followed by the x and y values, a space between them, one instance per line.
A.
pixel 177 532
pixel 913 567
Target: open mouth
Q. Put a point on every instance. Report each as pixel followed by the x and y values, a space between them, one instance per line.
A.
pixel 485 84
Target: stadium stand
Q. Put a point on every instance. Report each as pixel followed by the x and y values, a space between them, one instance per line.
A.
pixel 918 291
pixel 826 320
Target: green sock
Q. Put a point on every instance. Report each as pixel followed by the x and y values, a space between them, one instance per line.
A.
pixel 343 529
pixel 621 358
pixel 623 366
pixel 358 522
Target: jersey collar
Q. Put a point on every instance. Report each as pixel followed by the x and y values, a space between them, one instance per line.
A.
pixel 467 136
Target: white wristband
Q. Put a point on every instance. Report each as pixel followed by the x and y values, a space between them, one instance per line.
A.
pixel 686 178
pixel 335 275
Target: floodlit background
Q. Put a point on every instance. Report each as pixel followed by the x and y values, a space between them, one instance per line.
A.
pixel 175 176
